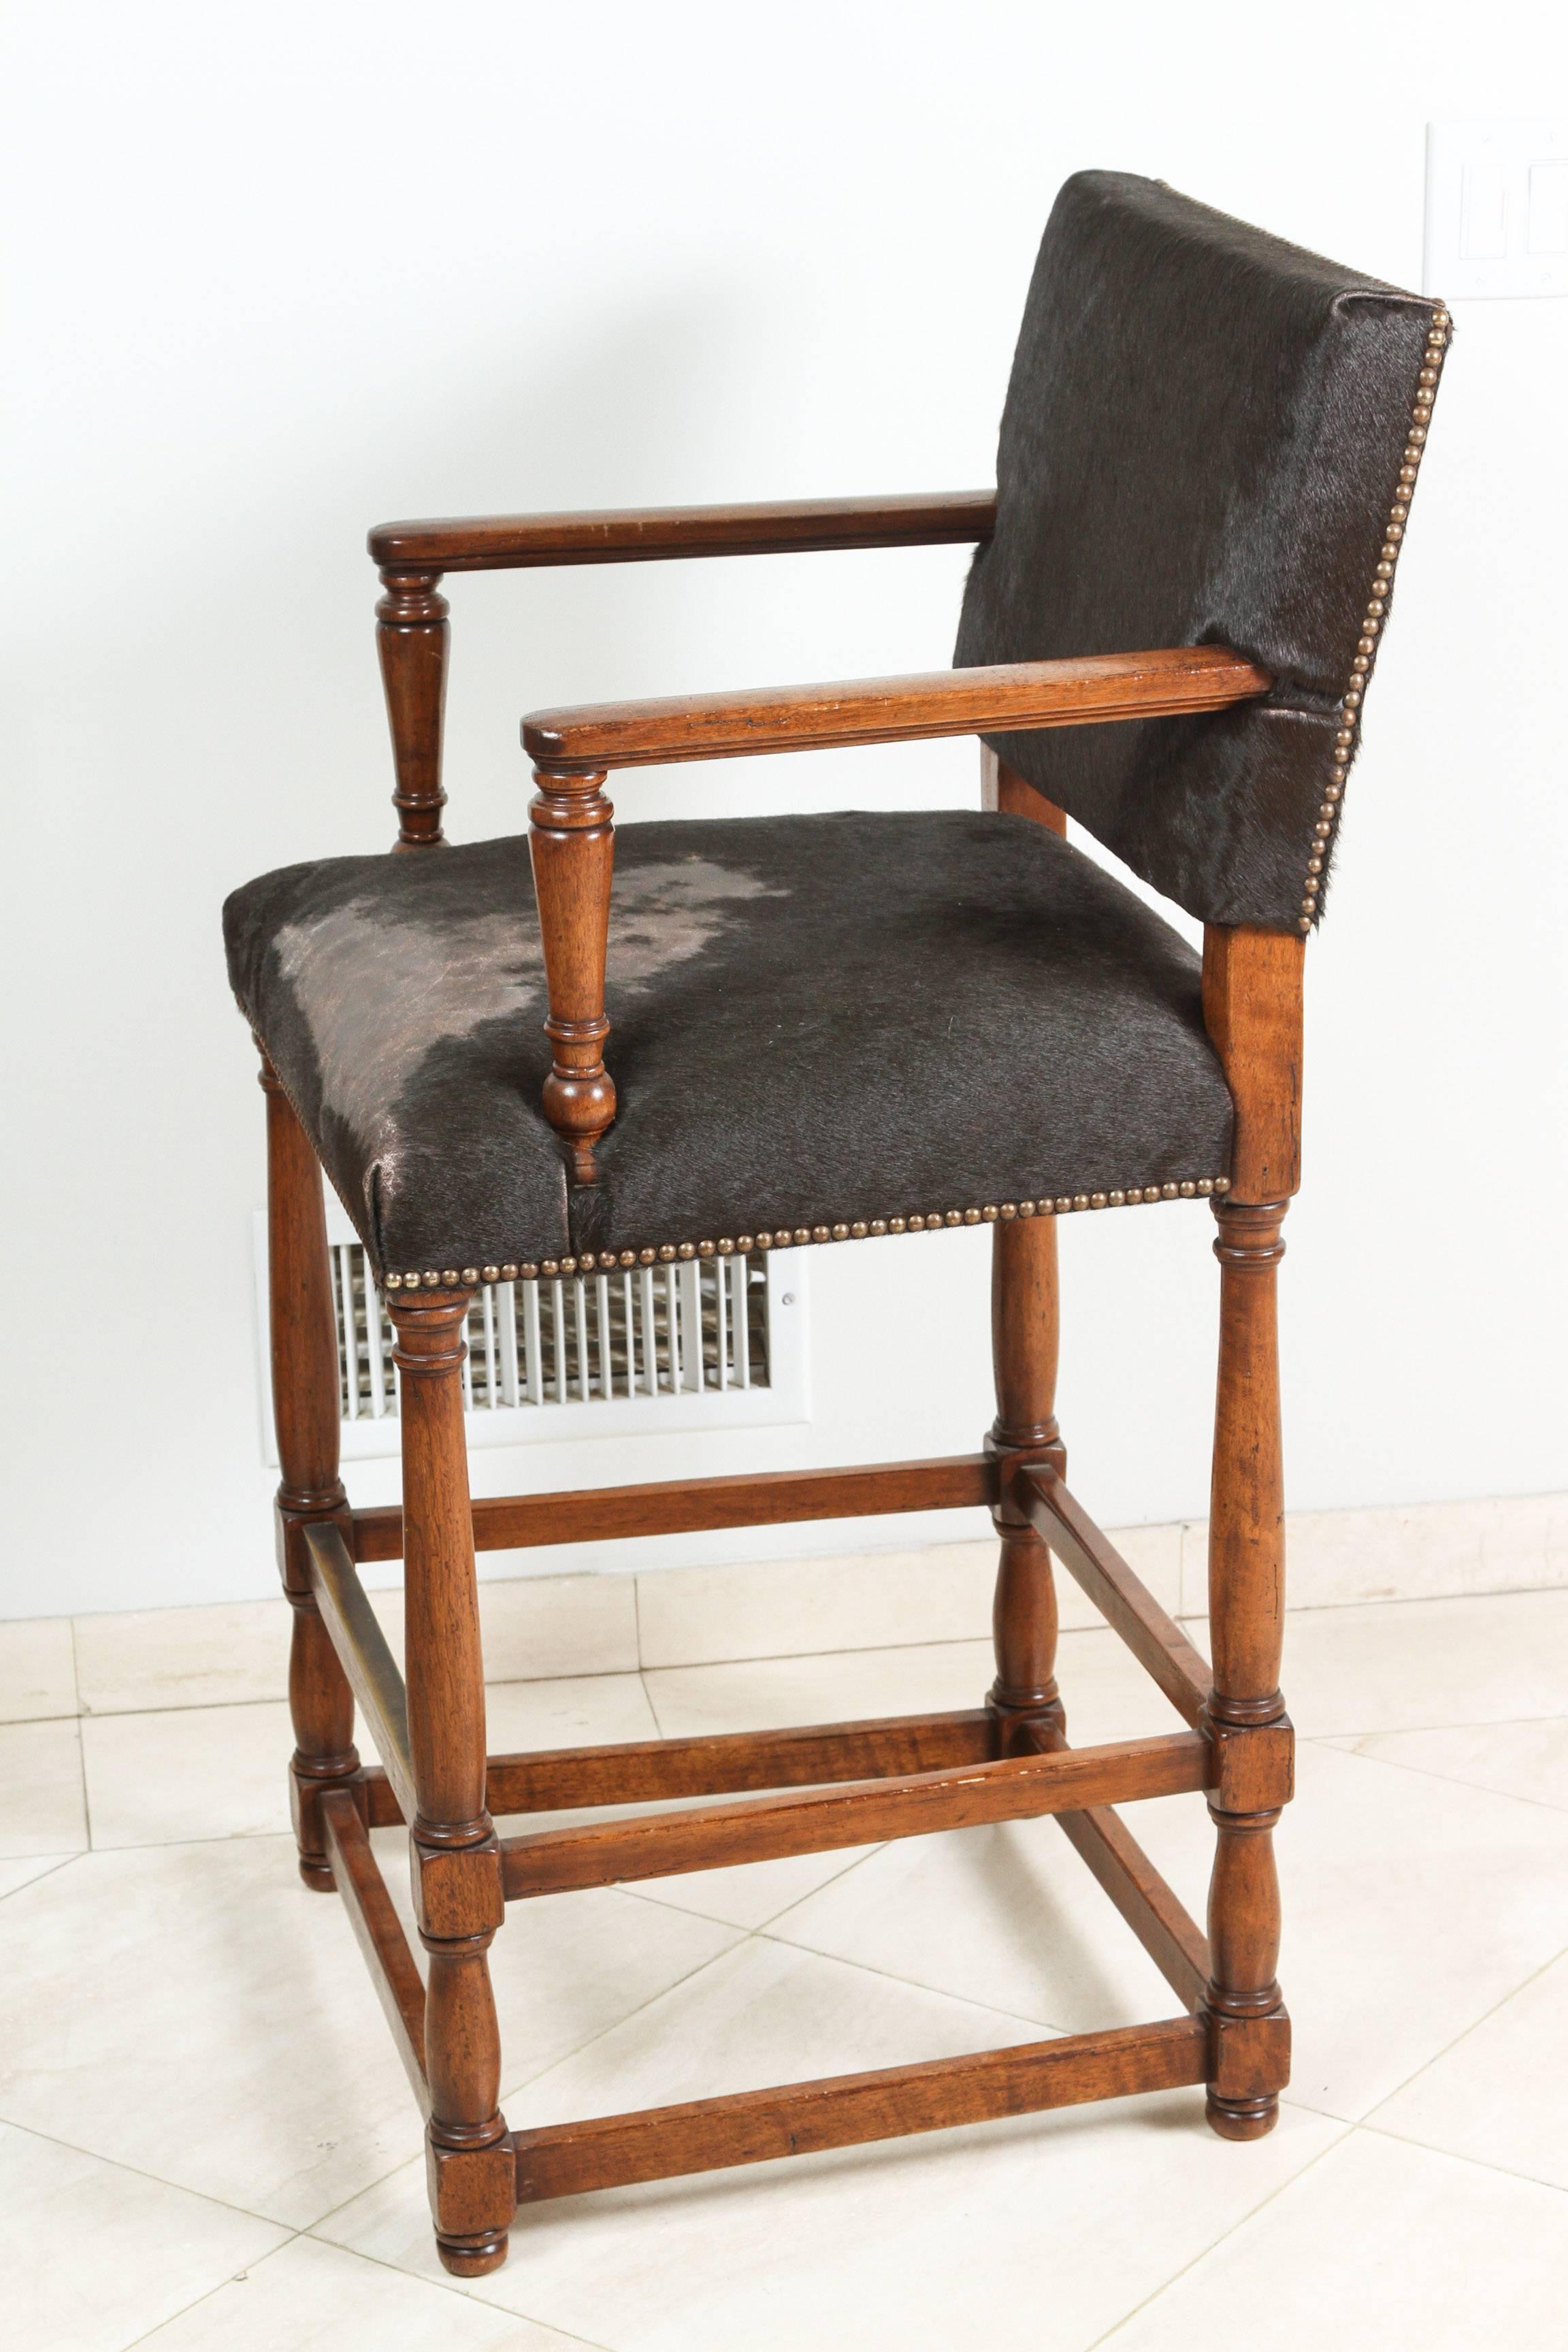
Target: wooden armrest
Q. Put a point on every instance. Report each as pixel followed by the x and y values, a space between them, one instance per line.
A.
pixel 641 534
pixel 1085 692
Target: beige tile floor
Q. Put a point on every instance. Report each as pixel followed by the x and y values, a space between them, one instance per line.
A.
pixel 206 2140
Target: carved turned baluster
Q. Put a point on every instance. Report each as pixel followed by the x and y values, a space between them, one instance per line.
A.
pixel 1252 1005
pixel 1025 1330
pixel 1023 1327
pixel 411 638
pixel 453 1852
pixel 572 842
pixel 305 1409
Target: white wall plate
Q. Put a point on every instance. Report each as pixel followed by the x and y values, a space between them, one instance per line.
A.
pixel 1497 209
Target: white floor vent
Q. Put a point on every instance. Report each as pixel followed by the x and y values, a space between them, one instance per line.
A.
pixel 710 1343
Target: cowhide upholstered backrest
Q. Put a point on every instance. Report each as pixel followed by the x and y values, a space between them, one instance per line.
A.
pixel 1209 437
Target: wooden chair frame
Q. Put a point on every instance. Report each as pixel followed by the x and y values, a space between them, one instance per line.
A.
pixel 799 1791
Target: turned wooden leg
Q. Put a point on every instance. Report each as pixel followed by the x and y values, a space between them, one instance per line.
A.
pixel 1024 1339
pixel 305 1412
pixel 1249 2061
pixel 453 1852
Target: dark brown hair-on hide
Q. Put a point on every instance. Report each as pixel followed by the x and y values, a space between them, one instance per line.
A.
pixel 1201 443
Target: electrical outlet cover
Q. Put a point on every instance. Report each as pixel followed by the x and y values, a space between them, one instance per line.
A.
pixel 1497 209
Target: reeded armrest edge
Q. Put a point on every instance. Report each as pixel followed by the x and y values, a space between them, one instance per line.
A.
pixel 644 534
pixel 1086 690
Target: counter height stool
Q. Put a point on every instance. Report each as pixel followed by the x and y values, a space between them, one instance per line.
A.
pixel 827 1029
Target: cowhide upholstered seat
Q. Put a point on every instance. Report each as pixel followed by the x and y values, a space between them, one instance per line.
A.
pixel 521 1060
pixel 832 1024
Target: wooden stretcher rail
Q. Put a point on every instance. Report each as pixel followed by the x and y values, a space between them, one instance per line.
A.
pixel 649 1771
pixel 1156 1641
pixel 801 2118
pixel 683 1506
pixel 1155 1912
pixel 380 1934
pixel 714 1837
pixel 361 1645
pixel 1170 1937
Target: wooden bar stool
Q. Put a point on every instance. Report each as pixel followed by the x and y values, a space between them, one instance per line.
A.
pixel 831 1028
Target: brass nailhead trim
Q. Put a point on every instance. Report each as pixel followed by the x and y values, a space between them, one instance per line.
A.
pixel 553 1269
pixel 1372 621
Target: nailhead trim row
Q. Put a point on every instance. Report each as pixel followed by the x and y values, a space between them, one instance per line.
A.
pixel 799 1236
pixel 1348 731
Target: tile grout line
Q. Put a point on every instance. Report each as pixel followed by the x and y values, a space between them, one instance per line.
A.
pixel 464 2294
pixel 907 1984
pixel 525 2082
pixel 652 1703
pixel 86 1799
pixel 1347 2132
pixel 764 1657
pixel 354 2255
pixel 57 1862
pixel 1463 2035
pixel 76 1668
pixel 1183 1614
pixel 643 1889
pixel 206 2296
pixel 1330 1739
pixel 1454 2156
pixel 159 2179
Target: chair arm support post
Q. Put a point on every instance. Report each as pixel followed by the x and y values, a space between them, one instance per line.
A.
pixel 412 637
pixel 571 846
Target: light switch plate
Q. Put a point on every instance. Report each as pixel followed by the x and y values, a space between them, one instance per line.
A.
pixel 1497 209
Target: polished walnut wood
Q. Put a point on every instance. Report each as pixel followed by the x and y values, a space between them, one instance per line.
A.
pixel 354 1631
pixel 1120 1596
pixel 1025 1332
pixel 715 1837
pixel 818 1787
pixel 1173 1941
pixel 1246 1607
pixel 1252 1008
pixel 572 844
pixel 1001 789
pixel 651 1771
pixel 456 1864
pixel 802 2118
pixel 1091 691
pixel 411 642
pixel 644 534
pixel 305 1407
pixel 379 1932
pixel 1253 1012
pixel 682 1505
pixel 727 1763
pixel 1024 1336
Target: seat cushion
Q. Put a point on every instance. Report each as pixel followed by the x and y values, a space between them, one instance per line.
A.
pixel 851 1022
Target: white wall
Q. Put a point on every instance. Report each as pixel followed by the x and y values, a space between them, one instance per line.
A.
pixel 284 272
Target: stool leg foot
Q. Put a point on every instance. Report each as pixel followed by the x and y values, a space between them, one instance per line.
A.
pixel 473 2257
pixel 1242 2118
